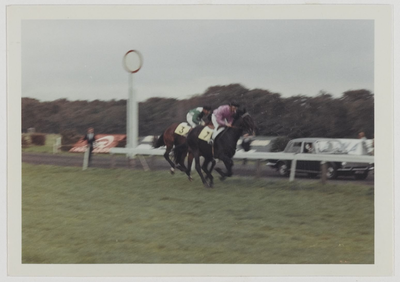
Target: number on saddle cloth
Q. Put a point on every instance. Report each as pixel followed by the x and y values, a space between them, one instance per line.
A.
pixel 183 129
pixel 206 134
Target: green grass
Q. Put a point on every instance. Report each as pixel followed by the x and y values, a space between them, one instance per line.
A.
pixel 127 216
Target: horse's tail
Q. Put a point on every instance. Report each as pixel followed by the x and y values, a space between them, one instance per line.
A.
pixel 179 151
pixel 157 143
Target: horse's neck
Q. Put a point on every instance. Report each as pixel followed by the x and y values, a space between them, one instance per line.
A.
pixel 236 133
pixel 231 135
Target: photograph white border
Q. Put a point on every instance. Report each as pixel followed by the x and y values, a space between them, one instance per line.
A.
pixel 382 16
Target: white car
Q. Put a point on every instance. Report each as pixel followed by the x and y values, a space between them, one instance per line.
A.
pixel 325 146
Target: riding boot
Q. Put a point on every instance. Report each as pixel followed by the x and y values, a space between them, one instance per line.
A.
pixel 211 141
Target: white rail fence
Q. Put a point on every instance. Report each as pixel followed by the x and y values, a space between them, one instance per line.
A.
pixel 147 150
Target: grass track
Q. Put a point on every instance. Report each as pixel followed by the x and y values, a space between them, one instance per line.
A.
pixel 124 216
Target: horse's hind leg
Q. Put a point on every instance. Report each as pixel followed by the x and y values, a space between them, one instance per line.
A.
pixel 181 163
pixel 198 168
pixel 189 167
pixel 166 156
pixel 208 172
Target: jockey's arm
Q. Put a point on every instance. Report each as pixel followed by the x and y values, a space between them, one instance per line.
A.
pixel 220 119
pixel 196 120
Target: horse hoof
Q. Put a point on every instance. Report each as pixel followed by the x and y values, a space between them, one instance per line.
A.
pixel 190 179
pixel 172 171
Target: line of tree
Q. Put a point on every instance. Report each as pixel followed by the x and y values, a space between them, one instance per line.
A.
pixel 296 116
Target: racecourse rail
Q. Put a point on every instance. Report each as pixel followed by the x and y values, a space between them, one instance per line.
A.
pixel 147 150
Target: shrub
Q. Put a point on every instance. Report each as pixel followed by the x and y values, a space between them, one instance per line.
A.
pixel 68 139
pixel 279 144
pixel 38 139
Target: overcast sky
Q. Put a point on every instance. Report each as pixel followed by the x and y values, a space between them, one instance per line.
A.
pixel 82 59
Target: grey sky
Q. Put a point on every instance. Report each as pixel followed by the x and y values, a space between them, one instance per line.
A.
pixel 82 59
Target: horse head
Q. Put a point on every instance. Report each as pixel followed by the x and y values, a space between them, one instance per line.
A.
pixel 243 120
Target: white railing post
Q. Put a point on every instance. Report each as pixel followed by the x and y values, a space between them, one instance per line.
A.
pixel 323 172
pixel 293 169
pixel 86 159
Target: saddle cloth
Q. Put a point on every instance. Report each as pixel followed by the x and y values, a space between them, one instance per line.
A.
pixel 207 132
pixel 183 129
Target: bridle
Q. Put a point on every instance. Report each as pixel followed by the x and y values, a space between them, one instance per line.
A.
pixel 241 127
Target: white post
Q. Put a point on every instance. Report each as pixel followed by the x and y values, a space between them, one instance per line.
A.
pixel 132 65
pixel 132 118
pixel 293 169
pixel 86 158
pixel 128 114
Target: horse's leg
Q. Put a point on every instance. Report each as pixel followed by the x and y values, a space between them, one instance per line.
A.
pixel 213 162
pixel 189 167
pixel 181 163
pixel 166 156
pixel 208 172
pixel 198 168
pixel 228 164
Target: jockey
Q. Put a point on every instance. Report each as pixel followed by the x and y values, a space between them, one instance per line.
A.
pixel 194 116
pixel 223 116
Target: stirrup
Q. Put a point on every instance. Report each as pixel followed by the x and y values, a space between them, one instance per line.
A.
pixel 210 141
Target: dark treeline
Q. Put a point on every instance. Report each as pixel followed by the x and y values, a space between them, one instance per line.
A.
pixel 296 116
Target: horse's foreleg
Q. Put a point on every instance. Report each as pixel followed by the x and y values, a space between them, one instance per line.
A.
pixel 228 164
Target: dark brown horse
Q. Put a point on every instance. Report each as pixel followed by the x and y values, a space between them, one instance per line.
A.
pixel 170 139
pixel 224 147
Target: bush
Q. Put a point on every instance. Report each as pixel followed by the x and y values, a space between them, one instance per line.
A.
pixel 38 139
pixel 279 144
pixel 68 139
pixel 24 142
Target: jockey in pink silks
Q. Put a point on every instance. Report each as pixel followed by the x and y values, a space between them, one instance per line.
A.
pixel 222 117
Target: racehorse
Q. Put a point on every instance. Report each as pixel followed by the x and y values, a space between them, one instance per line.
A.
pixel 170 139
pixel 224 147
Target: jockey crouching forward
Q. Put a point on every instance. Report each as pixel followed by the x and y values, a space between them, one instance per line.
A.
pixel 221 117
pixel 194 116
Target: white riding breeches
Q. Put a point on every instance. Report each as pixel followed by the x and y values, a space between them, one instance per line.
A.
pixel 189 119
pixel 216 125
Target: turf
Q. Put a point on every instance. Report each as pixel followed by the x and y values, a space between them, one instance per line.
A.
pixel 127 216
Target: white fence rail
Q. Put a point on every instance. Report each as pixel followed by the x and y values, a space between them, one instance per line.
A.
pixel 147 150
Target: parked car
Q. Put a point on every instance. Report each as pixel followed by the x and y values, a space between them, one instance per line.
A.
pixel 323 146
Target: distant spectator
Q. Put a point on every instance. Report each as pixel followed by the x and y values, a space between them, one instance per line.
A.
pixel 373 146
pixel 308 148
pixel 361 135
pixel 90 138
